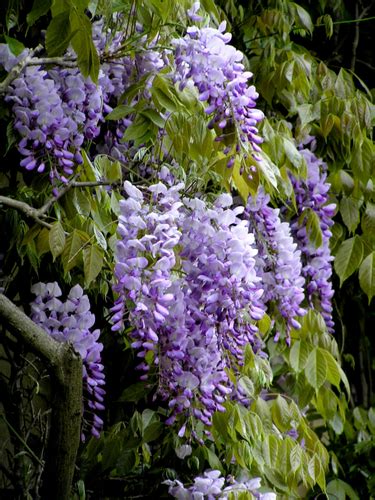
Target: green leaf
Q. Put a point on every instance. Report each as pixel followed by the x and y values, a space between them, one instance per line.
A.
pixel 281 414
pixel 87 56
pixel 298 355
pixel 271 450
pixel 340 490
pixel 100 238
pixel 316 368
pixel 239 181
pixel 92 263
pixel 292 153
pixel 247 386
pixel 126 462
pixel 58 35
pixel 326 403
pixel 42 242
pixel 368 221
pixel 333 368
pixel 152 432
pixel 135 392
pixel 367 276
pixel 162 94
pixel 137 130
pixel 72 252
pixel 15 46
pixel 296 458
pixel 40 8
pixel 149 417
pixel 154 117
pixel 311 220
pixel 56 239
pixel 120 112
pixel 304 18
pixel 348 258
pixel 59 6
pixel 214 461
pixel 337 424
pixel 349 209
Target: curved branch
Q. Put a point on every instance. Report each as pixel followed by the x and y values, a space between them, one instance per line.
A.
pixel 40 213
pixel 26 209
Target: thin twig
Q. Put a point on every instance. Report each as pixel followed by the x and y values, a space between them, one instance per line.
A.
pixel 57 61
pixel 25 208
pixel 15 72
pixel 359 17
pixel 40 213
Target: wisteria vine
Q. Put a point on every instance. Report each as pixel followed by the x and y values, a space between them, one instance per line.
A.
pixel 312 194
pixel 71 321
pixel 189 270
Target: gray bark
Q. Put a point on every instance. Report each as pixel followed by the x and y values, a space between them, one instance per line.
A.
pixel 65 368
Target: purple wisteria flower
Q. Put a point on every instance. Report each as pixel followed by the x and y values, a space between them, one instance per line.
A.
pixel 188 272
pixel 312 194
pixel 57 110
pixel 205 57
pixel 117 73
pixel 211 485
pixel 7 59
pixel 50 137
pixel 279 262
pixel 71 321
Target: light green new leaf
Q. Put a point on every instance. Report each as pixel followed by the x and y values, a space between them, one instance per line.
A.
pixel 270 450
pixel 292 153
pixel 316 368
pixel 304 18
pixel 296 458
pixel 15 46
pixel 247 386
pixel 313 229
pixel 298 355
pixel 71 255
pixel 348 258
pixel 154 117
pixel 56 239
pixel 120 112
pixel 92 263
pixel 281 414
pixel 333 368
pixel 367 276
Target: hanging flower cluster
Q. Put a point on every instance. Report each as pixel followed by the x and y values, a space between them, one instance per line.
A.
pixel 212 485
pixel 312 194
pixel 189 271
pixel 204 57
pixel 71 321
pixel 278 260
pixel 56 111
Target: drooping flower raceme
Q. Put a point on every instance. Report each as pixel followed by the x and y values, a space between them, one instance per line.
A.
pixel 312 194
pixel 279 262
pixel 117 73
pixel 56 109
pixel 205 57
pixel 211 485
pixel 189 271
pixel 48 133
pixel 71 321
